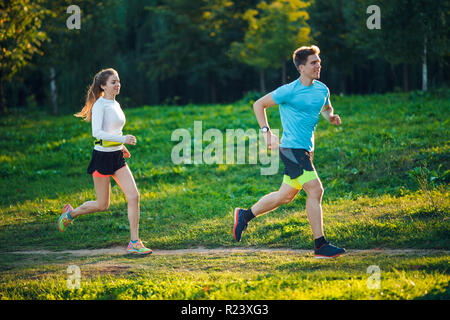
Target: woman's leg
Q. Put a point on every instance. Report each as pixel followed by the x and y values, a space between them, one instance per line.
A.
pixel 102 187
pixel 125 180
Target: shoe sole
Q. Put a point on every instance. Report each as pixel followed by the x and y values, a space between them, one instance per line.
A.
pixel 236 215
pixel 139 254
pixel 328 257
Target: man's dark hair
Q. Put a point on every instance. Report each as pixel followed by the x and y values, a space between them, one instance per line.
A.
pixel 301 55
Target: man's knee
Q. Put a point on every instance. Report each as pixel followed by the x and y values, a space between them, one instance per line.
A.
pixel 314 189
pixel 286 197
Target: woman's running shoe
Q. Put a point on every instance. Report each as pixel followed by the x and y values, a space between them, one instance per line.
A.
pixel 65 219
pixel 138 248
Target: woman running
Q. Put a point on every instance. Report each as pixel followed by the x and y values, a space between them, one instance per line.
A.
pixel 108 156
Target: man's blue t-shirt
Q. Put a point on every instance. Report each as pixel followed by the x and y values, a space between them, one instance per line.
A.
pixel 300 108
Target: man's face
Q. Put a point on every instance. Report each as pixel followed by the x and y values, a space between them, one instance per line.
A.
pixel 312 67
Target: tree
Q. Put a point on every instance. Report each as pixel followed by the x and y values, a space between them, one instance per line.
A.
pixel 72 57
pixel 190 41
pixel 408 27
pixel 21 37
pixel 274 31
pixel 332 22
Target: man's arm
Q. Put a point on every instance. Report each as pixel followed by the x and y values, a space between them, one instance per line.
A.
pixel 259 107
pixel 328 113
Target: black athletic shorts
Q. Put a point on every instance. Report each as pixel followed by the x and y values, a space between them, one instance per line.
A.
pixel 296 161
pixel 106 163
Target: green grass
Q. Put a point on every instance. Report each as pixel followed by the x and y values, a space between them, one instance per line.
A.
pixel 385 172
pixel 235 276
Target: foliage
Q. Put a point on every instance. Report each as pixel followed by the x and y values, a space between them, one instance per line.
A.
pixel 348 44
pixel 180 52
pixel 402 37
pixel 21 35
pixel 190 42
pixel 274 31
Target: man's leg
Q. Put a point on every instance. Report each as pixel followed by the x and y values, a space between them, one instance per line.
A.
pixel 267 203
pixel 314 191
pixel 322 248
pixel 273 200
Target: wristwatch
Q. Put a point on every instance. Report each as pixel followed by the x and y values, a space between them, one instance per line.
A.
pixel 265 129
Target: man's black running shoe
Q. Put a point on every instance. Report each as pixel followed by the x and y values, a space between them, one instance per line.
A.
pixel 239 223
pixel 327 250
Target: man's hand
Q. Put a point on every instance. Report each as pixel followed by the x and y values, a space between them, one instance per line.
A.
pixel 335 119
pixel 272 141
pixel 327 113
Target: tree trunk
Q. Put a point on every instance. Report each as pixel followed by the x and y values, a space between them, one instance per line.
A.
pixel 424 66
pixel 405 77
pixel 3 107
pixel 262 82
pixel 212 86
pixel 53 93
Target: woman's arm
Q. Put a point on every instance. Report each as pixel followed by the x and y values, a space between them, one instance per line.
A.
pixel 97 123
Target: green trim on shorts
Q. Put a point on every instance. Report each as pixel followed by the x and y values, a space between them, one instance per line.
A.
pixel 298 182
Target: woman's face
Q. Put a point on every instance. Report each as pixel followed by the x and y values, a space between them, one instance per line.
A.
pixel 112 86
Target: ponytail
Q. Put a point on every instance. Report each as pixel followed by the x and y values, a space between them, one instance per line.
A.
pixel 95 91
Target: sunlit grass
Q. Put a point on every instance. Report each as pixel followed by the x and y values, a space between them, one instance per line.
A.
pixel 385 172
pixel 278 275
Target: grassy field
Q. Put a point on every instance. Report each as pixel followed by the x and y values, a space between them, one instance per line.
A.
pixel 236 276
pixel 385 172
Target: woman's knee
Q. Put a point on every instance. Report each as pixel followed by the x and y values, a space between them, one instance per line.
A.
pixel 133 197
pixel 102 205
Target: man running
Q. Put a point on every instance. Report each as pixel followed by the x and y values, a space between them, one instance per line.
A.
pixel 301 102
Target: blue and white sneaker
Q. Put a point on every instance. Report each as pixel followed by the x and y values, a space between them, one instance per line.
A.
pixel 239 223
pixel 328 251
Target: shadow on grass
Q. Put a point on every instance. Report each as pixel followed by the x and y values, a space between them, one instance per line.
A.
pixel 436 294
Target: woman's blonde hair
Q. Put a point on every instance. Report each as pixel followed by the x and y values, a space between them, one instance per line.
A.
pixel 95 91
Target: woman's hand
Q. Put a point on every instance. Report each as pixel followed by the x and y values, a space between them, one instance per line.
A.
pixel 126 153
pixel 129 139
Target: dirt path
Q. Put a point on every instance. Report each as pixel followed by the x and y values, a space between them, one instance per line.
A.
pixel 223 250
